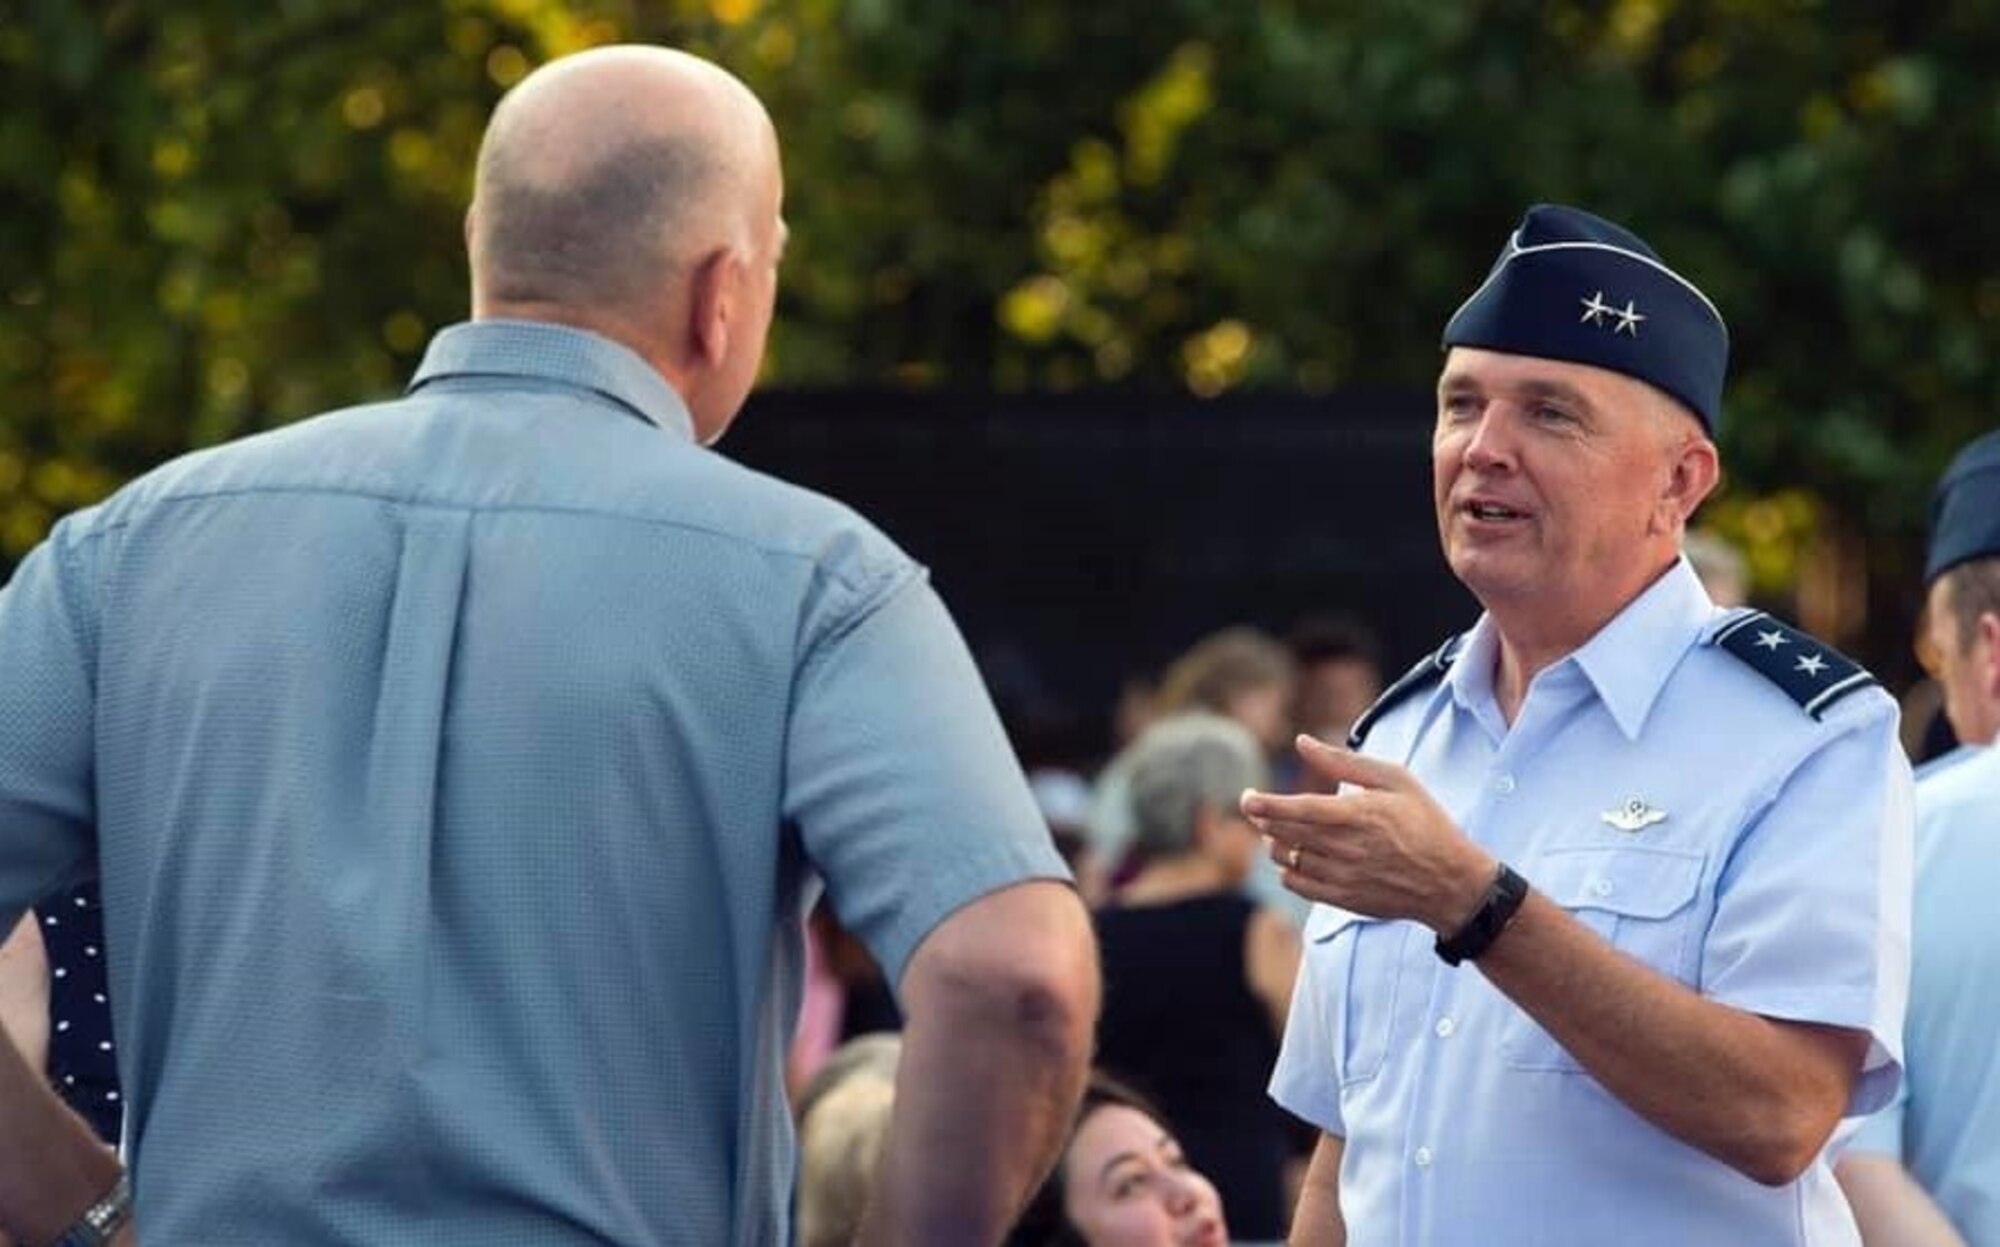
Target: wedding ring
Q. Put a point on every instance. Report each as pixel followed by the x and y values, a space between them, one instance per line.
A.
pixel 1293 860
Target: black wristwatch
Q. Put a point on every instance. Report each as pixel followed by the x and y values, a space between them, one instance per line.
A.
pixel 102 1219
pixel 1496 909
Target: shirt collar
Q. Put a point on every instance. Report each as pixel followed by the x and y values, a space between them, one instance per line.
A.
pixel 557 353
pixel 1470 679
pixel 1628 660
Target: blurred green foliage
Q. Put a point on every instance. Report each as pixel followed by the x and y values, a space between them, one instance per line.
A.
pixel 226 214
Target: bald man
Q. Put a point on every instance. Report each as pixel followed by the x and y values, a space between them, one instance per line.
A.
pixel 458 769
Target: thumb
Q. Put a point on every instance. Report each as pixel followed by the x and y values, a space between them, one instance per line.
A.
pixel 1344 766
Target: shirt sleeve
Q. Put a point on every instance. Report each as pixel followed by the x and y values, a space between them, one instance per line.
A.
pixel 1881 1134
pixel 1812 920
pixel 47 725
pixel 905 791
pixel 1303 1081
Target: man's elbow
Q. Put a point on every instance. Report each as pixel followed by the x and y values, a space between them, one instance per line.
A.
pixel 1023 960
pixel 1782 1125
pixel 1775 1167
pixel 1779 1149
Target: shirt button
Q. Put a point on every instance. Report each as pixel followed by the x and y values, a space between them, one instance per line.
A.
pixel 1444 1028
pixel 1505 784
pixel 1423 1158
pixel 1600 887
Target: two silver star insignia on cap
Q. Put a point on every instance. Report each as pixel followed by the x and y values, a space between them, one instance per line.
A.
pixel 1634 815
pixel 1595 309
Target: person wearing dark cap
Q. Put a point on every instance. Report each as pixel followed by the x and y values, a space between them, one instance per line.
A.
pixel 1613 902
pixel 1935 1153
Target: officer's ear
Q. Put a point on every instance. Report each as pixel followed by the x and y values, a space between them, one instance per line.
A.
pixel 1693 471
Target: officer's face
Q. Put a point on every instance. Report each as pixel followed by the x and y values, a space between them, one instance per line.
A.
pixel 1561 489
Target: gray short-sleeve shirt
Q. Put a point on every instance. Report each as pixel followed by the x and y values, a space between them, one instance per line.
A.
pixel 458 768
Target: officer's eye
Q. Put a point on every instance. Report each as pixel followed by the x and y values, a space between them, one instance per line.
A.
pixel 1459 406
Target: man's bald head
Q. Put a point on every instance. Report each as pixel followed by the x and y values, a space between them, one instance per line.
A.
pixel 605 173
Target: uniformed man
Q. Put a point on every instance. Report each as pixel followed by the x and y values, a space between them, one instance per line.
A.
pixel 1613 905
pixel 1943 1134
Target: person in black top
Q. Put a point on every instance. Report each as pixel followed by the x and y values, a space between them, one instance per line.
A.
pixel 1197 976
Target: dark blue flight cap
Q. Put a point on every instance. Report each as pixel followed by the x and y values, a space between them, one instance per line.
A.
pixel 1965 511
pixel 1575 287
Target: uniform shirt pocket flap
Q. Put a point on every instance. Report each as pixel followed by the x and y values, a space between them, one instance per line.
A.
pixel 1638 882
pixel 1327 921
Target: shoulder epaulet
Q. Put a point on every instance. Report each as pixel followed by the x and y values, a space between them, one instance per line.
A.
pixel 1414 681
pixel 1808 670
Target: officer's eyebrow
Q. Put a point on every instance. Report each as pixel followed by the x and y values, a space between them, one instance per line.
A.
pixel 1559 392
pixel 1452 381
pixel 1533 389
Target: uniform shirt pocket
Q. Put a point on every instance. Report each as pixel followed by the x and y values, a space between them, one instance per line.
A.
pixel 1639 898
pixel 1362 958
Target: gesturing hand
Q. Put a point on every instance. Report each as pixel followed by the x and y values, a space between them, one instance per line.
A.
pixel 1380 846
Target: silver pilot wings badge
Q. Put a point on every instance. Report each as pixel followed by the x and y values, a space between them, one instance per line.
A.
pixel 1634 815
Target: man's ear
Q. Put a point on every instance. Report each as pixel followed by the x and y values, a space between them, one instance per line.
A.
pixel 1691 477
pixel 712 296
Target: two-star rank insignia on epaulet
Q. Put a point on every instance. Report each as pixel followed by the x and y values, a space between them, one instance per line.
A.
pixel 1811 672
pixel 1413 681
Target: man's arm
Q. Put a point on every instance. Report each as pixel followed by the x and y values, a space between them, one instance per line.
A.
pixel 1001 1004
pixel 1316 1222
pixel 1892 1210
pixel 1760 1095
pixel 24 999
pixel 51 1166
pixel 24 992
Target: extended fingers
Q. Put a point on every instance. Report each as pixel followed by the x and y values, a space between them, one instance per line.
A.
pixel 1306 809
pixel 1348 767
pixel 1287 854
pixel 1275 807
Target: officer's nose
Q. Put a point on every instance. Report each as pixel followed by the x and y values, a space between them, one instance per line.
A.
pixel 1491 446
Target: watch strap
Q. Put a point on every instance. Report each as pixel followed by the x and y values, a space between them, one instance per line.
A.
pixel 103 1219
pixel 1496 909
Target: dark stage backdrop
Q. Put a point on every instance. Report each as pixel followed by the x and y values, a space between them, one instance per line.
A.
pixel 1083 538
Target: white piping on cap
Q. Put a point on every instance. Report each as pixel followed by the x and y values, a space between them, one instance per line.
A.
pixel 1516 250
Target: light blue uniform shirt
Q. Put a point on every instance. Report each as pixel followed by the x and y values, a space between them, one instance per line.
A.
pixel 1945 1126
pixel 1777 883
pixel 458 767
